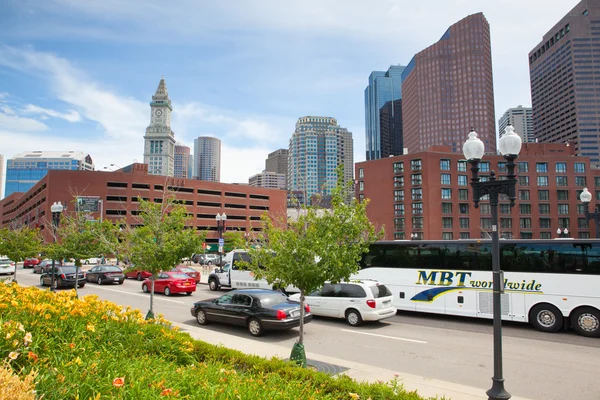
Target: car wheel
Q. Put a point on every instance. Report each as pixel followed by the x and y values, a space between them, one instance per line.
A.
pixel 255 327
pixel 139 276
pixel 188 293
pixel 81 285
pixel 167 291
pixel 121 282
pixel 99 281
pixel 145 288
pixel 353 317
pixel 86 262
pixel 42 281
pixel 213 285
pixel 201 317
pixel 209 263
pixel 546 318
pixel 586 321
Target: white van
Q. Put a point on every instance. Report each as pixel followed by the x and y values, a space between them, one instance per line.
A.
pixel 232 276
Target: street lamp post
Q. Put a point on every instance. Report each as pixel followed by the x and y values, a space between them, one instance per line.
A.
pixel 562 233
pixel 473 149
pixel 585 198
pixel 56 209
pixel 414 236
pixel 221 219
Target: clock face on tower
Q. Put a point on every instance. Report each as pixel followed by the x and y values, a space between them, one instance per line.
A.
pixel 158 112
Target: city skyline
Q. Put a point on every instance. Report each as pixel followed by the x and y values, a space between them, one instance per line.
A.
pixel 74 77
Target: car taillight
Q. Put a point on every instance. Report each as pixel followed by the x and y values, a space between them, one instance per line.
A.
pixel 281 314
pixel 63 276
pixel 306 308
pixel 371 303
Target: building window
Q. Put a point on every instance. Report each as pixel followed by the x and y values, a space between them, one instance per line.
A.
pixel 462 180
pixel 399 235
pixel 484 166
pixel 561 168
pixel 398 195
pixel 417 208
pixel 417 194
pixel 524 208
pixel 446 194
pixel 506 223
pixel 445 179
pixel 562 194
pixel 545 223
pixel 399 224
pixel 580 181
pixel 446 208
pixel 543 195
pixel 582 223
pixel 417 222
pixel 485 209
pixel 579 168
pixel 463 208
pixel 541 167
pixel 461 166
pixel 445 165
pixel 447 235
pixel 502 167
pixel 447 222
pixel 561 181
pixel 486 223
pixel 597 181
pixel 522 166
pixel 398 209
pixel 544 209
pixel 525 223
pixel 545 235
pixel 597 195
pixel 415 165
pixel 361 197
pixel 417 179
pixel 398 181
pixel 398 167
pixel 361 173
pixel 563 223
pixel 361 185
pixel 542 181
pixel 463 194
pixel 504 208
pixel 583 235
pixel 563 209
pixel 465 235
pixel 464 223
pixel 580 208
pixel 526 235
pixel 523 194
pixel 523 180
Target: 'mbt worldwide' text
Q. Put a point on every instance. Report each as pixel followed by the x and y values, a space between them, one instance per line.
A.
pixel 462 279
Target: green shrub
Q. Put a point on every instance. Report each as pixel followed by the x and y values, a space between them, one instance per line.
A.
pixel 90 349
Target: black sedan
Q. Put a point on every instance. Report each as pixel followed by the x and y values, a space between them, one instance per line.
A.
pixel 105 274
pixel 64 276
pixel 259 310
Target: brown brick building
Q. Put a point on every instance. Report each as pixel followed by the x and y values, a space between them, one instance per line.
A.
pixel 447 89
pixel 120 190
pixel 429 194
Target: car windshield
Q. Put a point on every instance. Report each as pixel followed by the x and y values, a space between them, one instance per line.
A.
pixel 268 300
pixel 187 270
pixel 380 291
pixel 112 269
pixel 68 270
pixel 179 276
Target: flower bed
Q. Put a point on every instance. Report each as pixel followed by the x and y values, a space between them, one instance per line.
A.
pixel 91 349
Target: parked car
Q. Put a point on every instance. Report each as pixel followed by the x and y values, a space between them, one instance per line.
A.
pixel 259 310
pixel 7 266
pixel 64 276
pixel 356 301
pixel 206 259
pixel 44 265
pixel 138 274
pixel 94 260
pixel 189 271
pixel 105 274
pixel 171 282
pixel 31 262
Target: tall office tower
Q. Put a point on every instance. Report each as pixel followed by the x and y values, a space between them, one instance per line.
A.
pixel 317 147
pixel 390 124
pixel 268 179
pixel 277 161
pixel 159 141
pixel 447 89
pixel 1 175
pixel 25 169
pixel 564 70
pixel 384 86
pixel 181 161
pixel 519 117
pixel 190 169
pixel 207 157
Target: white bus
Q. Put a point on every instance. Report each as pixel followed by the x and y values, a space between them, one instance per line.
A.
pixel 551 284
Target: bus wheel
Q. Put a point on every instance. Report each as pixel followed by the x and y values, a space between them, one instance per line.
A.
pixel 586 321
pixel 546 318
pixel 212 284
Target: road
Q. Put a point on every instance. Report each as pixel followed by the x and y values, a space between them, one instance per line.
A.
pixel 537 365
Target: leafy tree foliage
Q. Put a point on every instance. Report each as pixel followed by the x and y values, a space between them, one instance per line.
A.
pixel 20 243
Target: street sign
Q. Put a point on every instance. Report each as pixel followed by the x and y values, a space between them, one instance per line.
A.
pixel 87 204
pixel 221 242
pixel 220 249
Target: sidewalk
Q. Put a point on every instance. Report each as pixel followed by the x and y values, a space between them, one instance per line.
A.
pixel 426 387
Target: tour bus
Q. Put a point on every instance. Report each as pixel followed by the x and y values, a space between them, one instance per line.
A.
pixel 551 284
pixel 233 276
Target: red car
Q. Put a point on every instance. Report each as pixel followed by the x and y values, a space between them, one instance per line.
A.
pixel 31 262
pixel 171 282
pixel 188 271
pixel 137 274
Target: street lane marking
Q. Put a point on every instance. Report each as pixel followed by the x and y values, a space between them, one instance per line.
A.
pixel 138 294
pixel 385 336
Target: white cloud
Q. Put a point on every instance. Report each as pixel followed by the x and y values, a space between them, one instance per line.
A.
pixel 19 124
pixel 7 110
pixel 3 95
pixel 71 116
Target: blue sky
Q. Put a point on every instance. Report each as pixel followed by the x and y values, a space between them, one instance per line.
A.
pixel 79 74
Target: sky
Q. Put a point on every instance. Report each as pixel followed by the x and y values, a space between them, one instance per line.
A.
pixel 79 74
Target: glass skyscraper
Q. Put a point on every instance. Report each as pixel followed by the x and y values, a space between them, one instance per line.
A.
pixel 384 86
pixel 207 158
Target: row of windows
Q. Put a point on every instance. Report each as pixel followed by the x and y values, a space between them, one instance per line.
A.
pixel 484 235
pixel 461 166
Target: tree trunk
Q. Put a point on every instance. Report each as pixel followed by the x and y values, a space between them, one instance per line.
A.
pixel 302 313
pixel 15 274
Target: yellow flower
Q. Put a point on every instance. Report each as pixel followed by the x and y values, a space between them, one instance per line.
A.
pixel 78 361
pixel 27 339
pixel 90 328
pixel 9 335
pixel 47 316
pixel 118 382
pixel 354 396
pixel 13 355
pixel 21 327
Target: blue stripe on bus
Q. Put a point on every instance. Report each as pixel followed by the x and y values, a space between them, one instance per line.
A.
pixel 430 295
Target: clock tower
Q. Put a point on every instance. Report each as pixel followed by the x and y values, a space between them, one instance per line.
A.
pixel 159 141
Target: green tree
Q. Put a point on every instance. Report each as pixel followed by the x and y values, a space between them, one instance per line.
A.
pixel 235 239
pixel 19 243
pixel 319 246
pixel 162 240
